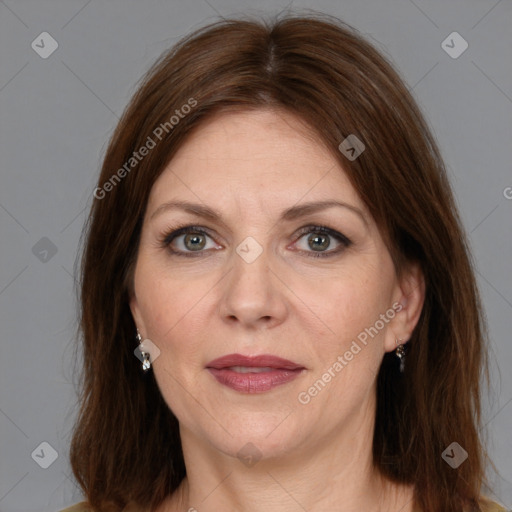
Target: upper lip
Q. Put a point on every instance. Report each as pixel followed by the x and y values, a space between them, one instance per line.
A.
pixel 261 361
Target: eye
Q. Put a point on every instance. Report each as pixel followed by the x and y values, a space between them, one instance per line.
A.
pixel 192 241
pixel 187 240
pixel 320 238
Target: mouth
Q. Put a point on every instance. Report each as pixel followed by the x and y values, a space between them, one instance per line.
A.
pixel 253 374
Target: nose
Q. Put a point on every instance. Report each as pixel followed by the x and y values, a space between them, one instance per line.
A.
pixel 253 295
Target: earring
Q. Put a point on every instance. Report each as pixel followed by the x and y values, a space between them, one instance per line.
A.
pixel 146 363
pixel 400 353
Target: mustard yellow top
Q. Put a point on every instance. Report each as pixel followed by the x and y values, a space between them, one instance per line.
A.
pixel 487 506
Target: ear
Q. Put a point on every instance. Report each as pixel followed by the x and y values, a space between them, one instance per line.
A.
pixel 409 296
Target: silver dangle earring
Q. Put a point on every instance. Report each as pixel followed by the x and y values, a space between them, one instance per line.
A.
pixel 400 353
pixel 146 363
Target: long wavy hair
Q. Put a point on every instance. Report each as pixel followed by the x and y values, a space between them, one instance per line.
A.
pixel 126 445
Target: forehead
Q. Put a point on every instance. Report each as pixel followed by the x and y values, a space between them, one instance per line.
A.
pixel 262 155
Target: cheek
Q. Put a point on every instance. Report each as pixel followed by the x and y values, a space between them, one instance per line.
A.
pixel 349 357
pixel 350 345
pixel 347 303
pixel 173 311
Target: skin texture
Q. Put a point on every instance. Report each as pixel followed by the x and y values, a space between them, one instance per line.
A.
pixel 250 166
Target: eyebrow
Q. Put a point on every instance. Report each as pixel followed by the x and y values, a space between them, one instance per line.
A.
pixel 293 213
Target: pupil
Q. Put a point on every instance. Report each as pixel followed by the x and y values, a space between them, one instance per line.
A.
pixel 315 238
pixel 197 242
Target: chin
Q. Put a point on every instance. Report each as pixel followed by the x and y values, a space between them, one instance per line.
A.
pixel 252 449
pixel 259 435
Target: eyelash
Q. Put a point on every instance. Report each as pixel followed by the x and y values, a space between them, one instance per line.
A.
pixel 173 233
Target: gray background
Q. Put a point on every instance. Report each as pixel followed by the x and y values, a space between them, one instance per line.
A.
pixel 57 114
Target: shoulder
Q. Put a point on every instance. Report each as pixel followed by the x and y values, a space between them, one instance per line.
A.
pixel 486 505
pixel 84 506
pixel 79 507
pixel 491 506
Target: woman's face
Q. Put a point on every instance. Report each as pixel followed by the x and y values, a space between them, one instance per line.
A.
pixel 272 273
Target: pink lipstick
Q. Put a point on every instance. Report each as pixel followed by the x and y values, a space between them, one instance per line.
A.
pixel 253 374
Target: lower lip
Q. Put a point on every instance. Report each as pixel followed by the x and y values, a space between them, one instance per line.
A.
pixel 253 382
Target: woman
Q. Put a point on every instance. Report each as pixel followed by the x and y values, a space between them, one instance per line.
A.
pixel 278 307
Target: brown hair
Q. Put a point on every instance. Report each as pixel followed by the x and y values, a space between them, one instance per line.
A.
pixel 126 444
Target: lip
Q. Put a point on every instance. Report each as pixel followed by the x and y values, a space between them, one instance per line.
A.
pixel 280 371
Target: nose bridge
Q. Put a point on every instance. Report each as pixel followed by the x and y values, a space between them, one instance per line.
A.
pixel 250 294
pixel 251 272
